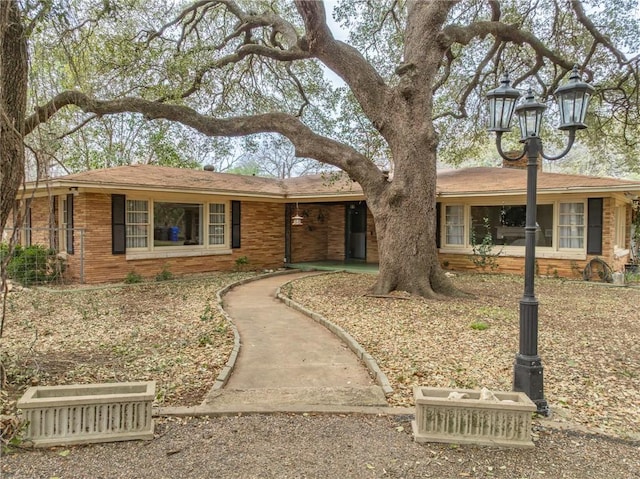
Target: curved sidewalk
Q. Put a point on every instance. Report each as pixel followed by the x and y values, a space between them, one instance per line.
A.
pixel 287 361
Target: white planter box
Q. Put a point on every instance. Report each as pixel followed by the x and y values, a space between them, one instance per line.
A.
pixel 80 414
pixel 505 422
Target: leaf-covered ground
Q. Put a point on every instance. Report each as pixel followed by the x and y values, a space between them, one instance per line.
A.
pixel 589 340
pixel 171 332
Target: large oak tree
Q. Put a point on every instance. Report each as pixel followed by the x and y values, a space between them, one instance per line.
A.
pixel 415 75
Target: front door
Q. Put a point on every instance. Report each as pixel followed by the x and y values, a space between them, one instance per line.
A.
pixel 356 231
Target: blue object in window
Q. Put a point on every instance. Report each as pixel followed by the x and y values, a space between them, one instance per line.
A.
pixel 173 233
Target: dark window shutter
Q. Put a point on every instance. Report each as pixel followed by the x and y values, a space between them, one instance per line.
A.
pixel 69 221
pixel 594 226
pixel 53 224
pixel 438 223
pixel 118 224
pixel 235 224
pixel 27 224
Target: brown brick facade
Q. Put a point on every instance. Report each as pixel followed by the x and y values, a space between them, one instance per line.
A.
pixel 322 234
pixel 321 237
pixel 262 242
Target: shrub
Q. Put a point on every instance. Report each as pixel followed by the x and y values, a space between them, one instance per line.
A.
pixel 483 255
pixel 133 278
pixel 33 264
pixel 241 263
pixel 165 274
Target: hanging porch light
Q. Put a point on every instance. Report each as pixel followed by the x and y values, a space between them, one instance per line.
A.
pixel 296 220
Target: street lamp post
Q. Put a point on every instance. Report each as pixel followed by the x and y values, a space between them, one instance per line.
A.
pixel 573 99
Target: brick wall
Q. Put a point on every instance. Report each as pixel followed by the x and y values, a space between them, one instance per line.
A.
pixel 322 235
pixel 372 240
pixel 262 242
pixel 309 241
pixel 335 232
pixel 564 268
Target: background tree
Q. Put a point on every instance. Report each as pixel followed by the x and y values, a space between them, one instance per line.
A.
pixel 273 156
pixel 415 73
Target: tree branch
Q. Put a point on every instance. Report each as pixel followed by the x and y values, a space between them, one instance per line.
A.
pixel 506 33
pixel 307 143
pixel 344 60
pixel 595 33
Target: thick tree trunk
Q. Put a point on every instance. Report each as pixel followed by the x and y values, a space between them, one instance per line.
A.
pixel 13 101
pixel 405 219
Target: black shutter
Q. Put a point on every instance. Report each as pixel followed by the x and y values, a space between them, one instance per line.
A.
pixel 594 226
pixel 69 221
pixel 53 224
pixel 27 224
pixel 118 224
pixel 438 223
pixel 235 224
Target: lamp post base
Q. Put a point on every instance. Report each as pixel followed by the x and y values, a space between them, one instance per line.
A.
pixel 528 378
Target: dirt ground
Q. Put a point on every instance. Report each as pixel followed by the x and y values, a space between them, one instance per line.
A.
pixel 172 332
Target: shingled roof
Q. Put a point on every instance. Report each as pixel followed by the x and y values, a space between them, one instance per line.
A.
pixel 500 181
pixel 480 181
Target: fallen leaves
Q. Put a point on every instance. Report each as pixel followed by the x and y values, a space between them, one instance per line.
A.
pixel 170 332
pixel 589 340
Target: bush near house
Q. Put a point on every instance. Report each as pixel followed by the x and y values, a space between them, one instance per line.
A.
pixel 32 264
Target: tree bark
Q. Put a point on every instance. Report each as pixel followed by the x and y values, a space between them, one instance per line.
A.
pixel 405 219
pixel 13 103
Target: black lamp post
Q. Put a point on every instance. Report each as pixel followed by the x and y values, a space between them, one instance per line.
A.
pixel 573 100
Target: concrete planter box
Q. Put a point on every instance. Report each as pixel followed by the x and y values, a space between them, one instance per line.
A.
pixel 80 414
pixel 504 422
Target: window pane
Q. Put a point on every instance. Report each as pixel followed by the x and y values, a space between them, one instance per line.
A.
pixel 507 223
pixel 571 226
pixel 217 223
pixel 454 225
pixel 137 223
pixel 177 224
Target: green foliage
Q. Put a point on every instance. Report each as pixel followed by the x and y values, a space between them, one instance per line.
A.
pixel 208 314
pixel 631 277
pixel 165 274
pixel 33 264
pixel 483 255
pixel 479 325
pixel 132 278
pixel 204 340
pixel 241 263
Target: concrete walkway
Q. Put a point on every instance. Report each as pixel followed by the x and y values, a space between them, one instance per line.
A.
pixel 287 361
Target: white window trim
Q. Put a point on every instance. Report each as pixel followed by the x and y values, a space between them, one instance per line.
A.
pixel 149 229
pixel 516 251
pixel 585 226
pixel 620 221
pixel 205 249
pixel 465 212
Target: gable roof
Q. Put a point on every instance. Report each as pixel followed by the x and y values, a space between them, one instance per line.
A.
pixel 480 181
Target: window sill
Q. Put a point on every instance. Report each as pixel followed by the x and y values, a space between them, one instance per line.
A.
pixel 182 253
pixel 519 252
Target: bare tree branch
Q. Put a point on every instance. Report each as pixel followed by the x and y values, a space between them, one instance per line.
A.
pixel 307 143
